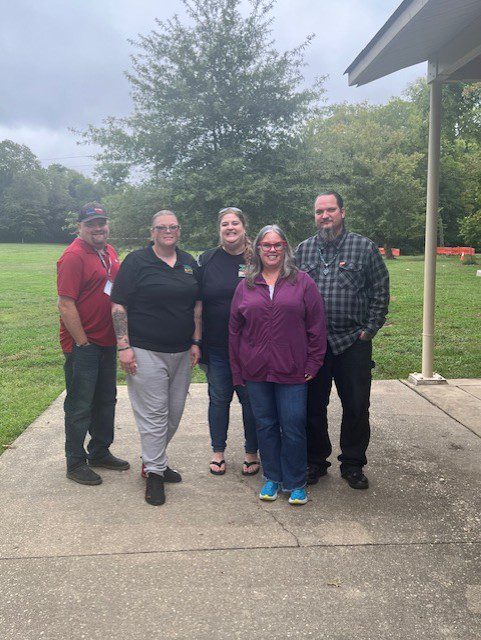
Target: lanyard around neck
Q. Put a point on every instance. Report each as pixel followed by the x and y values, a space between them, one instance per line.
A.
pixel 106 263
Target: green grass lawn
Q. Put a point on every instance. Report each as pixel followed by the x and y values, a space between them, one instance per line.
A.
pixel 457 352
pixel 32 373
pixel 32 362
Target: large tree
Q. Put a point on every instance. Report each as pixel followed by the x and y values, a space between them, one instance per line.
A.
pixel 217 112
pixel 460 171
pixel 23 195
pixel 367 154
pixel 14 159
pixel 23 208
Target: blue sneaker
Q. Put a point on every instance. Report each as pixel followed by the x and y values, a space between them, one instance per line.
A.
pixel 298 496
pixel 269 491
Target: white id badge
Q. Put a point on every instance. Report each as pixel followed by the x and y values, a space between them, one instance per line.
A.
pixel 108 287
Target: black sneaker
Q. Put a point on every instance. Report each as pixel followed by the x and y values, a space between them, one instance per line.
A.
pixel 110 462
pixel 154 491
pixel 171 475
pixel 84 475
pixel 355 479
pixel 314 472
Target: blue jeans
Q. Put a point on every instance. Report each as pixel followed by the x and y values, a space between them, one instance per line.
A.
pixel 280 412
pixel 221 391
pixel 91 381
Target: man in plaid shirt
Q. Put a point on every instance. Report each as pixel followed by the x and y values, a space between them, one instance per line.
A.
pixel 354 282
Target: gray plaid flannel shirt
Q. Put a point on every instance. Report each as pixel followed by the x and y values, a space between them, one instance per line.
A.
pixel 355 288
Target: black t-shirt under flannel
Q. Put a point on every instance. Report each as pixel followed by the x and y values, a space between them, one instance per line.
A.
pixel 159 299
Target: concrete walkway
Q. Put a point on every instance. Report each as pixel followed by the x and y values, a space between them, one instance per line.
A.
pixel 400 561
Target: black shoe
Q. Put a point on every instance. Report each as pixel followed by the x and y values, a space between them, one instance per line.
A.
pixel 84 475
pixel 355 479
pixel 110 462
pixel 171 475
pixel 314 472
pixel 154 491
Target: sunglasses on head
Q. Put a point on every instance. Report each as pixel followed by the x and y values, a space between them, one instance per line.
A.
pixel 235 209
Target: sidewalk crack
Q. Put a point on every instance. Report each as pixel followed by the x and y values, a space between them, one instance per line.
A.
pixel 466 390
pixel 365 545
pixel 431 402
pixel 271 514
pixel 284 528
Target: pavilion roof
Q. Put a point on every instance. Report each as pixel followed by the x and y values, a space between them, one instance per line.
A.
pixel 446 33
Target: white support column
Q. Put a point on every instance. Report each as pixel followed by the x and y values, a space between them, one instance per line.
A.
pixel 434 152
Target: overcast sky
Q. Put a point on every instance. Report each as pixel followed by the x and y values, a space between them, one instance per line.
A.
pixel 62 62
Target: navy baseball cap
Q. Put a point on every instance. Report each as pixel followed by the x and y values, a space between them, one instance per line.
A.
pixel 91 211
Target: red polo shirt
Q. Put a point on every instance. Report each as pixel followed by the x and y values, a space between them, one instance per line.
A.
pixel 81 275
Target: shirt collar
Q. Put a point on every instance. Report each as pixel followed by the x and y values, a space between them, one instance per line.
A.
pixel 260 280
pixel 87 247
pixel 157 259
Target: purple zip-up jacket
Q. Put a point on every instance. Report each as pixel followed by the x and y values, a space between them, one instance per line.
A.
pixel 278 340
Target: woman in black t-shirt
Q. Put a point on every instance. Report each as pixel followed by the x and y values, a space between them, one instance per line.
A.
pixel 222 268
pixel 156 314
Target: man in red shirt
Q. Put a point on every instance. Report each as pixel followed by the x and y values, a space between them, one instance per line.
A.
pixel 85 273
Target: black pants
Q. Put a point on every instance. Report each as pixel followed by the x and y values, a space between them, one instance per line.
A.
pixel 351 371
pixel 90 377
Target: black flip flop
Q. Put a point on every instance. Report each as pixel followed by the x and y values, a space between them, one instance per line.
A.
pixel 220 472
pixel 248 465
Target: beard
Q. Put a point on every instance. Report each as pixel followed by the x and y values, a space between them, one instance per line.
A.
pixel 329 234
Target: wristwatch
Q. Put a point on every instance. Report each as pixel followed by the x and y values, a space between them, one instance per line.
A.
pixel 197 343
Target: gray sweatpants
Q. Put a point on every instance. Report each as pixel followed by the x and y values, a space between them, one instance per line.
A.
pixel 157 393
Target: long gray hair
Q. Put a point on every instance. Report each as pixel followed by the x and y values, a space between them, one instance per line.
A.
pixel 288 267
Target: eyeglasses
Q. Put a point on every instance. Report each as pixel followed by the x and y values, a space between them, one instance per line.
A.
pixel 235 209
pixel 267 246
pixel 166 227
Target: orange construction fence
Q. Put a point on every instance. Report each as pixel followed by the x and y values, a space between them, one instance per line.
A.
pixel 454 251
pixel 395 252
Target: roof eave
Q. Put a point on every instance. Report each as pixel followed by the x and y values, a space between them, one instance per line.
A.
pixel 392 27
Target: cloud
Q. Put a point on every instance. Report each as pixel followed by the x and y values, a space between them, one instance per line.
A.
pixel 342 30
pixel 53 146
pixel 60 65
pixel 62 62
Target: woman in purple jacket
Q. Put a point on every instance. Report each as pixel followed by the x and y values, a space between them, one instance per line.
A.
pixel 277 342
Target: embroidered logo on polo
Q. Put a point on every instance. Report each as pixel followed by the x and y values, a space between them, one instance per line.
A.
pixel 188 269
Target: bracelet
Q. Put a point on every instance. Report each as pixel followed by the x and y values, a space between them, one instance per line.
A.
pixel 197 343
pixel 123 348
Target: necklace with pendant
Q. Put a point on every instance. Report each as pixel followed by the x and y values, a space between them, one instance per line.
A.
pixel 326 264
pixel 325 271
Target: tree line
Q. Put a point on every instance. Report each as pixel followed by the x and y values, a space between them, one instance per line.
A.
pixel 35 202
pixel 221 118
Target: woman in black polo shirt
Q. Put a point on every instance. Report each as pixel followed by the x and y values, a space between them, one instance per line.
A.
pixel 222 268
pixel 156 313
